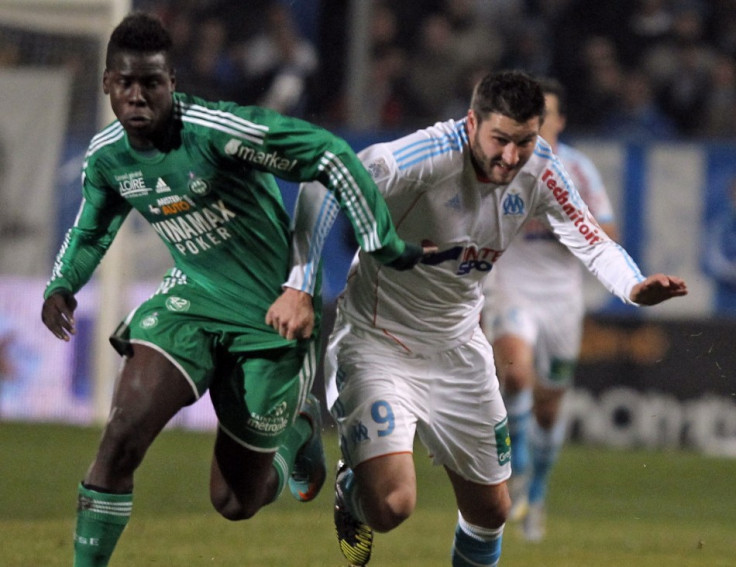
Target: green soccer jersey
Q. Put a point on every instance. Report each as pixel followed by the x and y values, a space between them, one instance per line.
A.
pixel 214 202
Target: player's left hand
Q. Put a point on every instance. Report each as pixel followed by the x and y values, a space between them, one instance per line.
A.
pixel 292 314
pixel 658 288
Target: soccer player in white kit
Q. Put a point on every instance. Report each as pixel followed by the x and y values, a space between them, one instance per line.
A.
pixel 533 317
pixel 407 355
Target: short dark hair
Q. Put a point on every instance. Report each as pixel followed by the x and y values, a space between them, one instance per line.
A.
pixel 138 32
pixel 551 86
pixel 511 93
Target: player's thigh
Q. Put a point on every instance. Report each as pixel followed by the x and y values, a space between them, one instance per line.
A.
pixel 377 407
pixel 467 428
pixel 149 392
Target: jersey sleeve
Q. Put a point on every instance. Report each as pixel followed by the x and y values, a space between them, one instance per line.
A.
pixel 569 218
pixel 100 216
pixel 298 151
pixel 316 211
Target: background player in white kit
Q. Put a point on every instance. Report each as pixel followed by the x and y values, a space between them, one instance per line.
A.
pixel 407 355
pixel 533 317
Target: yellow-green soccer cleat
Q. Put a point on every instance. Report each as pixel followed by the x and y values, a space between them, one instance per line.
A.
pixel 310 471
pixel 355 537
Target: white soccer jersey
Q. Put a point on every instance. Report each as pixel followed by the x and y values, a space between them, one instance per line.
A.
pixel 434 195
pixel 537 266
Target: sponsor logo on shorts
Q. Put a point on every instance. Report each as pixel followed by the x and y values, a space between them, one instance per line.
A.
pixel 150 321
pixel 175 303
pixel 503 442
pixel 273 422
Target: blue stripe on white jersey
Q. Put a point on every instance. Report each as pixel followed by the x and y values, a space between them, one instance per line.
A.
pixel 424 149
pixel 328 212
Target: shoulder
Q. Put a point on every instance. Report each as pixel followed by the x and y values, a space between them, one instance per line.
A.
pixel 434 151
pixel 227 117
pixel 105 140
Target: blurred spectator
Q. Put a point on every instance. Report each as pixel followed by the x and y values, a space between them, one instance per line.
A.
pixel 531 51
pixel 596 88
pixel 433 66
pixel 278 63
pixel 637 117
pixel 213 73
pixel 473 36
pixel 719 112
pixel 458 103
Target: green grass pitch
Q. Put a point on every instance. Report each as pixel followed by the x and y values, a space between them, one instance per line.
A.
pixel 607 508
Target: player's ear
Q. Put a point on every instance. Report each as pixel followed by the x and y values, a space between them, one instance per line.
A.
pixel 472 122
pixel 106 82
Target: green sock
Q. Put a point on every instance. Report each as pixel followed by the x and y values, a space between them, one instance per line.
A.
pixel 101 518
pixel 283 462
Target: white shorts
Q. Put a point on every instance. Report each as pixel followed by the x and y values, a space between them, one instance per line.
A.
pixel 451 399
pixel 553 328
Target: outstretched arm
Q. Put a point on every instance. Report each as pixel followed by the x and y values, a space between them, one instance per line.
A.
pixel 658 288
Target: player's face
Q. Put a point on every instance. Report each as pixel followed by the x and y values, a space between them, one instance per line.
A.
pixel 140 88
pixel 500 145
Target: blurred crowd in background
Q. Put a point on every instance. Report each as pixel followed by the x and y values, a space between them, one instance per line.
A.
pixel 638 69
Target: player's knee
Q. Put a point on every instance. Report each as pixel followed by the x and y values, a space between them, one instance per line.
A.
pixel 231 508
pixel 517 378
pixel 121 451
pixel 390 511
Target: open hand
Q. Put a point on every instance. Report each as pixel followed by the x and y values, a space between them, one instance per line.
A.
pixel 658 288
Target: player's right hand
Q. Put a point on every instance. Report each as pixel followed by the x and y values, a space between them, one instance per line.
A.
pixel 57 314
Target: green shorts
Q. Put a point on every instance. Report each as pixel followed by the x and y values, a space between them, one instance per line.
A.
pixel 257 380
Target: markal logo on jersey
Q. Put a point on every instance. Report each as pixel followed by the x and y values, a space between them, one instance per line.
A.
pixel 174 303
pixel 513 204
pixel 132 185
pixel 271 160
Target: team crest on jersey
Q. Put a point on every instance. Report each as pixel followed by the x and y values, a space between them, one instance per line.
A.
pixel 513 204
pixel 378 169
pixel 175 303
pixel 197 185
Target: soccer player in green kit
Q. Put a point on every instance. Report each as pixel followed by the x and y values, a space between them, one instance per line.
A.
pixel 201 174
